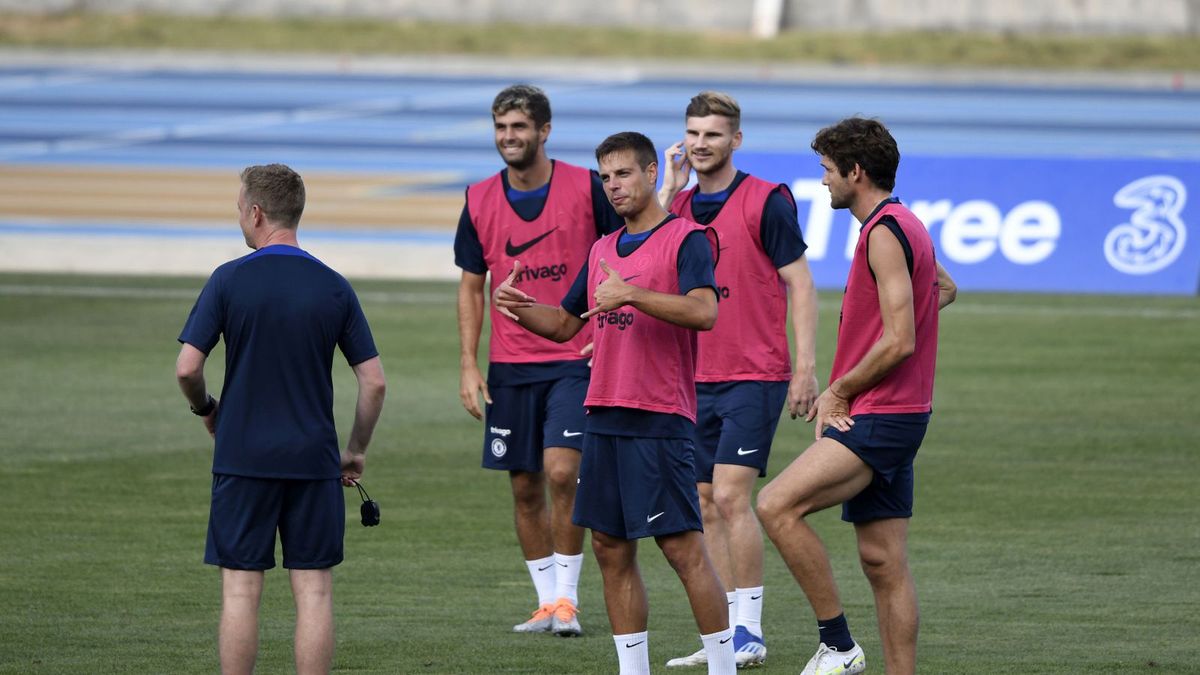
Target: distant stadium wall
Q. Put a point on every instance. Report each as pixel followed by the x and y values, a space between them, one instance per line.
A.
pixel 1057 16
pixel 1055 225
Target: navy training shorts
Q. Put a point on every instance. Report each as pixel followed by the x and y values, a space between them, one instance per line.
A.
pixel 888 444
pixel 310 516
pixel 525 419
pixel 637 487
pixel 735 424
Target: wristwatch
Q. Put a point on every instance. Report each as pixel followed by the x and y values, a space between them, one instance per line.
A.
pixel 206 409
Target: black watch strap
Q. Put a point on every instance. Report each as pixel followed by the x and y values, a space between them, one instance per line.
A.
pixel 206 409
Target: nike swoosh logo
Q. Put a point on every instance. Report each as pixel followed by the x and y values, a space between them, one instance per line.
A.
pixel 631 646
pixel 650 519
pixel 755 597
pixel 747 452
pixel 726 640
pixel 516 250
pixel 571 434
pixel 563 565
pixel 847 664
pixel 543 569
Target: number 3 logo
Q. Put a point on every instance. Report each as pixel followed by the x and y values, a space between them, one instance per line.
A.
pixel 1154 236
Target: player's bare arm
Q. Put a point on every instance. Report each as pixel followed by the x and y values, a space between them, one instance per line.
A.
pixel 696 310
pixel 189 371
pixel 372 388
pixel 897 342
pixel 470 324
pixel 947 289
pixel 802 298
pixel 676 170
pixel 551 322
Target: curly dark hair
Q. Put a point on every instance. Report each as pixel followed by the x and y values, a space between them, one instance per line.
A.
pixel 861 141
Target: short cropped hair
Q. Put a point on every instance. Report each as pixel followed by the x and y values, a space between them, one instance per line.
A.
pixel 629 141
pixel 715 103
pixel 528 99
pixel 277 190
pixel 866 142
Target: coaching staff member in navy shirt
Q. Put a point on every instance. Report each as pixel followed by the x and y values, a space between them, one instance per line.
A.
pixel 276 465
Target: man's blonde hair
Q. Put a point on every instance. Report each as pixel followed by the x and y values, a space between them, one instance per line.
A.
pixel 715 103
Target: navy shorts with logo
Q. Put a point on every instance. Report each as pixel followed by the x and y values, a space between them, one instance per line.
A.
pixel 525 419
pixel 888 444
pixel 637 487
pixel 735 424
pixel 310 516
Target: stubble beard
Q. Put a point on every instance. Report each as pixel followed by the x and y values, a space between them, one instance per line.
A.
pixel 524 160
pixel 715 168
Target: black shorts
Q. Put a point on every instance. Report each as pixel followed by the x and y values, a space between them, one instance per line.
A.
pixel 632 488
pixel 735 424
pixel 310 516
pixel 523 420
pixel 888 444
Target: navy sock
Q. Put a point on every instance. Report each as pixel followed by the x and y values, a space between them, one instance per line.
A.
pixel 835 633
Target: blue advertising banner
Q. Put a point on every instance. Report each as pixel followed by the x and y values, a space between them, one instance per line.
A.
pixel 1061 225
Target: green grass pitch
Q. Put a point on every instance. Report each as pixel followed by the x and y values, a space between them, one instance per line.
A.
pixel 1057 525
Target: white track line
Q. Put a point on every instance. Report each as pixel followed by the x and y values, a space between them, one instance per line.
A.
pixel 263 120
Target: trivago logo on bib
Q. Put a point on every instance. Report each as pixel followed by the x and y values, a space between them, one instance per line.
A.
pixel 1155 234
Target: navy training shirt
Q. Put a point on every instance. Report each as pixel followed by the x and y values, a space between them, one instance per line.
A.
pixel 281 312
pixel 779 229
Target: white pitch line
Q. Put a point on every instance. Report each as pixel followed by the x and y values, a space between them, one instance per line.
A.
pixel 434 298
pixel 1085 312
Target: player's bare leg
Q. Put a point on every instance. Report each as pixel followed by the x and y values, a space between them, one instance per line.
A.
pixel 825 474
pixel 530 514
pixel 562 473
pixel 741 538
pixel 689 558
pixel 716 535
pixel 241 591
pixel 312 591
pixel 883 552
pixel 624 591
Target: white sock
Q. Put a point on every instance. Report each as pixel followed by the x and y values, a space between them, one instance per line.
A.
pixel 542 572
pixel 731 599
pixel 719 648
pixel 633 654
pixel 749 613
pixel 566 569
